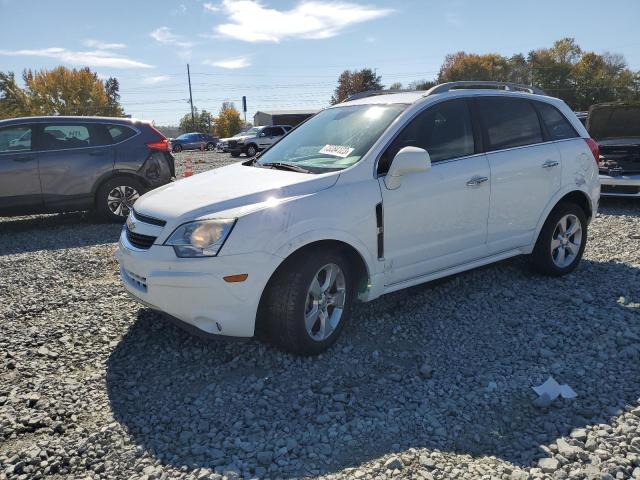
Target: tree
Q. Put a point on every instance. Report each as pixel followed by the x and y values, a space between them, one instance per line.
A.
pixel 356 81
pixel 422 84
pixel 60 91
pixel 204 122
pixel 395 86
pixel 228 122
pixel 112 89
pixel 566 71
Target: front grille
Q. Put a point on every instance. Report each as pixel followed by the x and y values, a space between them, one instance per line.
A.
pixel 620 189
pixel 149 220
pixel 140 241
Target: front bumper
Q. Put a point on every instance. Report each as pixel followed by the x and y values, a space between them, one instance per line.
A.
pixel 193 290
pixel 620 186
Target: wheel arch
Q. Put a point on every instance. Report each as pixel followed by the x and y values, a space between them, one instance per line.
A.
pixel 115 174
pixel 362 273
pixel 577 196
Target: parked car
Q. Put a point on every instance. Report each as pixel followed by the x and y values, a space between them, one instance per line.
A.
pixel 369 196
pixel 223 143
pixel 256 139
pixel 193 141
pixel 616 128
pixel 56 164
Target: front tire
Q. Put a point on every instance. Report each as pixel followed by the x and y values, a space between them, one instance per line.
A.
pixel 308 303
pixel 211 147
pixel 561 242
pixel 177 149
pixel 115 198
pixel 252 150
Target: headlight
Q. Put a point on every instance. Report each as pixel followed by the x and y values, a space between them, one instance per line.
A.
pixel 200 239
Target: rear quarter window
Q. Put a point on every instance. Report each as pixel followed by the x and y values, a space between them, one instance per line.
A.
pixel 120 133
pixel 558 127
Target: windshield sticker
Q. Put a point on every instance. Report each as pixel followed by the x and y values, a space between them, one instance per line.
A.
pixel 341 151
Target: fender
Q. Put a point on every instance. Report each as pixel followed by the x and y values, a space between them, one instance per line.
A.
pixel 552 203
pixel 115 173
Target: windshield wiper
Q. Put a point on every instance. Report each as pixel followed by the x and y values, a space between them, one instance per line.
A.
pixel 286 166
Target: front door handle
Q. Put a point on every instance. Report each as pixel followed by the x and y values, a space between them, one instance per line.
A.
pixel 476 181
pixel 25 158
pixel 550 164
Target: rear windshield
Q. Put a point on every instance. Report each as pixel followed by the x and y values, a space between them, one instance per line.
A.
pixel 334 139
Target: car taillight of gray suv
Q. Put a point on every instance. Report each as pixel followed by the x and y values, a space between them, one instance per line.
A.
pixel 57 164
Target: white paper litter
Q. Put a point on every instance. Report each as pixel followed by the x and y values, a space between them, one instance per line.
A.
pixel 553 390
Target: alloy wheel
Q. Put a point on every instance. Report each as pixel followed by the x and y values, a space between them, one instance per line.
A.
pixel 251 151
pixel 325 302
pixel 121 199
pixel 566 241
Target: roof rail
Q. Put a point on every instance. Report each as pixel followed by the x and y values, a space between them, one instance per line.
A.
pixel 373 93
pixel 514 87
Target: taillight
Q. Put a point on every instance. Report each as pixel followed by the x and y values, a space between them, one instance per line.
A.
pixel 162 144
pixel 595 149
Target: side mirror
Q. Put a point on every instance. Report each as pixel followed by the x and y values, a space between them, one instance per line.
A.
pixel 262 135
pixel 407 160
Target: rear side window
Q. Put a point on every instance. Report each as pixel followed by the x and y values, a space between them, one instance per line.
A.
pixel 15 139
pixel 120 133
pixel 444 130
pixel 509 122
pixel 72 135
pixel 557 125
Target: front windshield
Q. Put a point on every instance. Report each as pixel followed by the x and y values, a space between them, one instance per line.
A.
pixel 334 139
pixel 251 131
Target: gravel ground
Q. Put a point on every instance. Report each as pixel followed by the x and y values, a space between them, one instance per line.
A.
pixel 432 382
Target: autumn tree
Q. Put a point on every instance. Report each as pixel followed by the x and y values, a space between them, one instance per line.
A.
pixel 351 82
pixel 60 91
pixel 202 122
pixel 228 122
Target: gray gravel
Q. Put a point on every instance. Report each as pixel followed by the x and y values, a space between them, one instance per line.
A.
pixel 432 382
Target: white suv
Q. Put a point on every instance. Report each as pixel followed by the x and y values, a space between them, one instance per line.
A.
pixel 256 139
pixel 373 195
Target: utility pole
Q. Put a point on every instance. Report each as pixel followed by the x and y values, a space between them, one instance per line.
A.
pixel 193 117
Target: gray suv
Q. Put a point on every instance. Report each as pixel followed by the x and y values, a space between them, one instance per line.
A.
pixel 56 164
pixel 256 139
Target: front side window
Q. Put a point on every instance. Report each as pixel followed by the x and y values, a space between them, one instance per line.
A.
pixel 557 125
pixel 334 139
pixel 509 122
pixel 69 136
pixel 15 138
pixel 444 130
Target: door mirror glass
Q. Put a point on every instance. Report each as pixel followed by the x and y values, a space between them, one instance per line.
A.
pixel 262 134
pixel 407 161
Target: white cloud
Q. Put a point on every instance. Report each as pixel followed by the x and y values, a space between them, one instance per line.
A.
pixel 165 36
pixel 91 43
pixel 229 63
pixel 251 21
pixel 154 80
pixel 94 58
pixel 210 7
pixel 180 10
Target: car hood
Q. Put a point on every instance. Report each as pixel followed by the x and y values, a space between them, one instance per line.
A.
pixel 235 187
pixel 614 121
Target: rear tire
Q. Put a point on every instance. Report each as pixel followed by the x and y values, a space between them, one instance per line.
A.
pixel 177 148
pixel 116 197
pixel 561 241
pixel 211 146
pixel 308 302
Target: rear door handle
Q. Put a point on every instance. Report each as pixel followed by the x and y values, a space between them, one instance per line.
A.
pixel 477 181
pixel 24 158
pixel 550 164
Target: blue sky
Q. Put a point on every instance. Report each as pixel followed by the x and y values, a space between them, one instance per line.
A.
pixel 286 54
